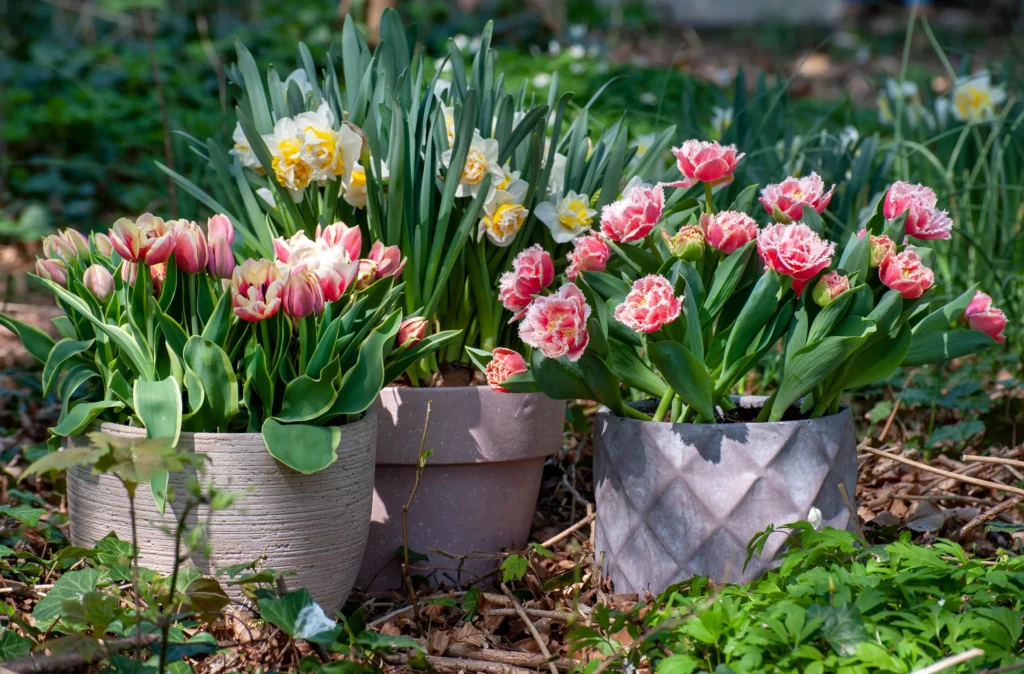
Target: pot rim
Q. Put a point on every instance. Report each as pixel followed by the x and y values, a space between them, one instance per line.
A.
pixel 603 411
pixel 454 390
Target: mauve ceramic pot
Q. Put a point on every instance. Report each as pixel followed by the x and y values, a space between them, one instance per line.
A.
pixel 479 489
pixel 681 500
pixel 313 525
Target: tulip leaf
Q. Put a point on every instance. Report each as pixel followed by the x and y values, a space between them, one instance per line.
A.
pixel 361 384
pixel 158 405
pixel 796 337
pixel 216 328
pixel 812 219
pixel 829 317
pixel 81 415
pixel 36 342
pixel 62 352
pixel 521 383
pixel 606 285
pixel 213 369
pixel 173 332
pixel 560 379
pixel 324 350
pixel 745 199
pixel 755 314
pixel 887 311
pixel 878 359
pixel 304 448
pixel 601 381
pixel 306 398
pixel 725 280
pixel 638 258
pixel 941 318
pixel 479 357
pixel 938 345
pixel 631 369
pixel 856 258
pixel 394 367
pixel 686 375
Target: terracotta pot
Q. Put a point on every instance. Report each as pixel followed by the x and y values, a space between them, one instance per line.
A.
pixel 479 489
pixel 680 500
pixel 314 525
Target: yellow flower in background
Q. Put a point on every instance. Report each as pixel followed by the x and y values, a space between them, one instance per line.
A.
pixel 913 109
pixel 330 153
pixel 570 217
pixel 975 98
pixel 481 160
pixel 242 150
pixel 448 112
pixel 354 189
pixel 643 143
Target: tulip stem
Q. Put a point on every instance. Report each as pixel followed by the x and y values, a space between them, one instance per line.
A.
pixel 663 406
pixel 654 248
pixel 193 298
pixel 707 199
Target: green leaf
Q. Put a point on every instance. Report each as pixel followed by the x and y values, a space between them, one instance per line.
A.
pixel 758 310
pixel 631 369
pixel 69 587
pixel 27 515
pixel 36 342
pixel 300 617
pixel 842 627
pixel 13 646
pixel 879 358
pixel 82 415
pixel 606 285
pixel 306 398
pixel 514 568
pixel 62 352
pixel 727 276
pixel 216 329
pixel 306 449
pixel 941 318
pixel 406 359
pixel 600 380
pixel 361 385
pixel 559 378
pixel 829 317
pixel 686 375
pixel 214 370
pixel 158 405
pixel 938 345
pixel 62 460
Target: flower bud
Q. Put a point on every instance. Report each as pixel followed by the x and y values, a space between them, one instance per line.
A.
pixel 302 294
pixel 99 281
pixel 366 275
pixel 687 243
pixel 190 249
pixel 412 331
pixel 881 246
pixel 77 241
pixel 256 289
pixel 220 227
pixel 56 247
pixel 103 245
pixel 220 260
pixel 157 276
pixel 829 287
pixel 389 260
pixel 52 270
pixel 504 363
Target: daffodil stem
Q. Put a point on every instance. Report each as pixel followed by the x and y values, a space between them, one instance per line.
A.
pixel 707 199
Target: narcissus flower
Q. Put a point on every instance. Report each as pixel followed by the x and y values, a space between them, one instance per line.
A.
pixel 829 287
pixel 355 187
pixel 650 304
pixel 221 236
pixel 242 150
pixel 504 363
pixel 302 295
pixel 412 331
pixel 975 98
pixel 706 162
pixel 99 281
pixel 389 260
pixel 982 316
pixel 147 240
pixel 906 273
pixel 532 271
pixel 632 217
pixel 728 230
pixel 340 234
pixel 568 218
pixel 256 287
pixel 190 249
pixel 557 324
pixel 881 246
pixel 687 243
pixel 795 251
pixel 52 270
pixel 785 201
pixel 330 153
pixel 589 253
pixel 503 217
pixel 481 160
pixel 336 272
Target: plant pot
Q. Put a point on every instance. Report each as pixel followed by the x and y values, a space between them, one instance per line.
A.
pixel 478 491
pixel 313 525
pixel 681 500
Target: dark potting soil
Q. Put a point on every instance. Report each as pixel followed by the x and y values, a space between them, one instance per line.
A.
pixel 737 415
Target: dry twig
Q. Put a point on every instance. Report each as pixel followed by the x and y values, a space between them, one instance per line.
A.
pixel 530 626
pixel 514 658
pixel 991 514
pixel 950 662
pixel 945 473
pixel 421 461
pixel 568 532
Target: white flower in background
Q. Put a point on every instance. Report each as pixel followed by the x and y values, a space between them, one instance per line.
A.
pixel 330 153
pixel 509 182
pixel 443 63
pixel 301 80
pixel 448 112
pixel 943 111
pixel 554 48
pixel 894 91
pixel 441 87
pixel 461 41
pixel 568 218
pixel 577 68
pixel 242 150
pixel 267 196
pixel 721 120
pixel 577 31
pixel 504 216
pixel 541 80
pixel 577 51
pixel 481 160
pixel 649 98
pixel 557 179
pixel 848 138
pixel 286 149
pixel 814 519
pixel 975 98
pixel 643 143
pixel 355 187
pixel 474 44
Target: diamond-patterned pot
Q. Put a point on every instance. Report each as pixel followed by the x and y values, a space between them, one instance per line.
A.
pixel 680 500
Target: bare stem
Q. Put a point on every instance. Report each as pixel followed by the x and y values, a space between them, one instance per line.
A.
pixel 135 567
pixel 421 461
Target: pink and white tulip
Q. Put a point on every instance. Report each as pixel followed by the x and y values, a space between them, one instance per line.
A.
pixel 728 231
pixel 650 304
pixel 706 162
pixel 632 217
pixel 257 287
pixel 302 295
pixel 148 239
pixel 794 250
pixel 504 363
pixel 412 331
pixel 906 273
pixel 785 201
pixel 924 220
pixel 557 324
pixel 52 270
pixel 99 281
pixel 190 249
pixel 389 260
pixel 295 250
pixel 220 237
pixel 829 287
pixel 589 253
pixel 687 243
pixel 103 245
pixel 340 234
pixel 532 272
pixel 336 272
pixel 982 316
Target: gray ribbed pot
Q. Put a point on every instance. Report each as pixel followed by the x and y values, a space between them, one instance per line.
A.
pixel 679 500
pixel 479 489
pixel 314 525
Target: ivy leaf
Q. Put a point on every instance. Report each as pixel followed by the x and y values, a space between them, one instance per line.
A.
pixel 299 616
pixel 72 586
pixel 842 626
pixel 27 515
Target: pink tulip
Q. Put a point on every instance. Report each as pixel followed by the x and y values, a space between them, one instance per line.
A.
pixel 706 162
pixel 295 250
pixel 795 251
pixel 906 273
pixel 103 245
pixel 632 217
pixel 257 286
pixel 157 276
pixel 366 274
pixel 589 253
pixel 388 258
pixel 52 270
pixel 785 201
pixel 99 281
pixel 57 247
pixel 532 272
pixel 687 243
pixel 220 258
pixel 190 249
pixel 340 234
pixel 220 227
pixel 504 363
pixel 128 272
pixel 924 220
pixel 302 294
pixel 728 230
pixel 982 316
pixel 148 239
pixel 77 241
pixel 650 304
pixel 336 273
pixel 829 287
pixel 557 324
pixel 412 331
pixel 881 246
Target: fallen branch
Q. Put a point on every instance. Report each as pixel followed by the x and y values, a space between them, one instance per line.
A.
pixel 568 532
pixel 529 624
pixel 993 459
pixel 950 662
pixel 535 613
pixel 945 473
pixel 78 660
pixel 514 658
pixel 460 665
pixel 421 461
pixel 991 514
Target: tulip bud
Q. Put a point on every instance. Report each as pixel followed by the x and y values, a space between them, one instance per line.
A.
pixel 880 247
pixel 412 331
pixel 190 249
pixel 77 241
pixel 157 276
pixel 220 259
pixel 302 294
pixel 220 227
pixel 103 245
pixel 687 243
pixel 52 270
pixel 388 259
pixel 128 272
pixel 55 246
pixel 99 281
pixel 829 287
pixel 366 274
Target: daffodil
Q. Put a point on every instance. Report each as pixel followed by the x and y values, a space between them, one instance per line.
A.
pixel 481 159
pixel 299 78
pixel 721 120
pixel 331 153
pixel 448 112
pixel 504 216
pixel 242 150
pixel 913 109
pixel 556 182
pixel 291 169
pixel 644 142
pixel 569 217
pixel 354 189
pixel 975 98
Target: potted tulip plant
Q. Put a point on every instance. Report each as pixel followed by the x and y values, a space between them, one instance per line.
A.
pixel 268 367
pixel 463 176
pixel 687 472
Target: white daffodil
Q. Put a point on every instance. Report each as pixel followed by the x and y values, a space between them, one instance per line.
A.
pixel 242 150
pixel 557 179
pixel 267 196
pixel 301 80
pixel 448 112
pixel 355 186
pixel 504 216
pixel 975 98
pixel 330 153
pixel 509 182
pixel 644 142
pixel 481 160
pixel 848 138
pixel 943 111
pixel 570 217
pixel 286 149
pixel 721 120
pixel 891 96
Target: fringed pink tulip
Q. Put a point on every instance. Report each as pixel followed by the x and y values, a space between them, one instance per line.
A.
pixel 557 324
pixel 982 316
pixel 829 287
pixel 589 253
pixel 728 230
pixel 302 294
pixel 190 249
pixel 256 287
pixel 340 234
pixel 906 273
pixel 99 281
pixel 650 304
pixel 924 220
pixel 504 363
pixel 881 246
pixel 795 251
pixel 785 201
pixel 532 272
pixel 412 331
pixel 706 162
pixel 687 243
pixel 632 217
pixel 52 270
pixel 388 258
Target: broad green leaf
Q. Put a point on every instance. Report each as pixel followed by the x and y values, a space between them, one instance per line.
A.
pixel 559 378
pixel 686 375
pixel 306 449
pixel 71 586
pixel 306 398
pixel 158 405
pixel 938 345
pixel 62 460
pixel 396 366
pixel 633 371
pixel 214 370
pixel 943 317
pixel 600 380
pixel 36 342
pixel 758 310
pixel 62 352
pixel 726 278
pixel 81 415
pixel 361 384
pixel 878 359
pixel 26 515
pixel 829 317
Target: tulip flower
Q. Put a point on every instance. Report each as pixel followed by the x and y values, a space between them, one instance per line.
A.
pixel 632 217
pixel 148 239
pixel 924 220
pixel 706 162
pixel 590 253
pixel 650 304
pixel 340 234
pixel 57 247
pixel 881 246
pixel 190 249
pixel 256 287
pixel 504 363
pixel 77 241
pixel 687 243
pixel 52 270
pixel 906 273
pixel 829 287
pixel 103 245
pixel 532 271
pixel 795 251
pixel 295 250
pixel 99 281
pixel 785 201
pixel 557 324
pixel 388 258
pixel 157 276
pixel 336 272
pixel 412 331
pixel 982 316
pixel 366 274
pixel 728 230
pixel 302 294
pixel 220 227
pixel 128 272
